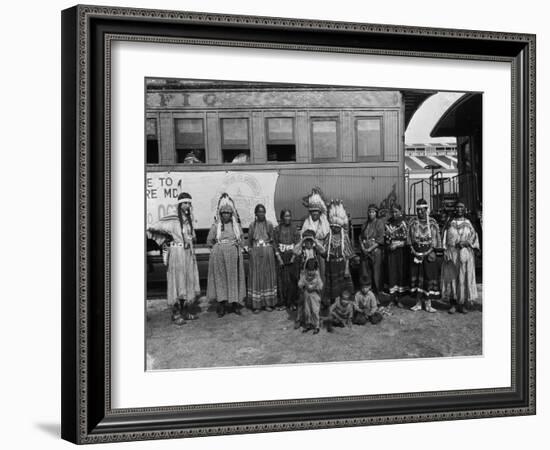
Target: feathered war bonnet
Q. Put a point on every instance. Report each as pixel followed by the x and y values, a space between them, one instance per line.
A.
pixel 315 201
pixel 337 215
pixel 226 204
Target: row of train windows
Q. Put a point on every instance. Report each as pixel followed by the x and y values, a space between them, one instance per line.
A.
pixel 190 139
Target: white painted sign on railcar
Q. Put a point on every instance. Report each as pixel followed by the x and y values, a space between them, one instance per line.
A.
pixel 246 188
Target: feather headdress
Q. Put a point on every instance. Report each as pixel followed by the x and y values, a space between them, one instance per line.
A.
pixel 315 201
pixel 337 214
pixel 226 204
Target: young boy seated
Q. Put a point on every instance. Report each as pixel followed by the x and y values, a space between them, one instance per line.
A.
pixel 365 305
pixel 341 312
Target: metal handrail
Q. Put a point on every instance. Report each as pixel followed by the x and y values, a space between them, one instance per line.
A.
pixel 438 185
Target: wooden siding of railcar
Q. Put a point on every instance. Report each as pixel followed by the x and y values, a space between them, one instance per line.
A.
pixel 391 133
pixel 356 186
pixel 301 104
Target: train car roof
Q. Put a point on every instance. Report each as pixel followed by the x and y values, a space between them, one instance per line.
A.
pixel 412 98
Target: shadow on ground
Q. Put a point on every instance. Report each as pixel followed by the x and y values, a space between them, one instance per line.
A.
pixel 53 429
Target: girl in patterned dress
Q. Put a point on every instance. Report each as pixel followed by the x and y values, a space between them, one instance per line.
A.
pixel 286 236
pixel 423 239
pixel 396 256
pixel 262 269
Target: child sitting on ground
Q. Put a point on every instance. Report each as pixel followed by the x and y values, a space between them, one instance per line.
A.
pixel 341 312
pixel 365 305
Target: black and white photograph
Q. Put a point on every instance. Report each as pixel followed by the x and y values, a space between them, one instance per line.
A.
pixel 275 225
pixel 301 223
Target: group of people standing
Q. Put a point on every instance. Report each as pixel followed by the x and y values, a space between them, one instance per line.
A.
pixel 308 270
pixel 402 255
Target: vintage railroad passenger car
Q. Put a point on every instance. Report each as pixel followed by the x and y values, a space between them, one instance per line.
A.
pixel 272 143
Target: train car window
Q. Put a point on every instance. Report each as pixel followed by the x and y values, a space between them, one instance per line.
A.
pixel 280 129
pixel 280 145
pixel 276 152
pixel 152 156
pixel 369 138
pixel 235 140
pixel 324 139
pixel 189 134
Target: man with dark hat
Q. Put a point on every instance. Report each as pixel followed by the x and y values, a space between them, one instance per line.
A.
pixel 371 241
pixel 423 239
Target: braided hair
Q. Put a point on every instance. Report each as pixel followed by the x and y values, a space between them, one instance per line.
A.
pixel 187 214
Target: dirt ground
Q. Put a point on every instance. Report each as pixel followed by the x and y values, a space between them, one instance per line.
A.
pixel 270 337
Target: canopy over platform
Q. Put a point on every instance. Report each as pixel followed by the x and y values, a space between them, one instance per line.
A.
pixel 463 118
pixel 413 100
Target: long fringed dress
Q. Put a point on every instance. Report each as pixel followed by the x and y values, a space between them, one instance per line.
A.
pixel 337 276
pixel 226 280
pixel 285 238
pixel 397 258
pixel 262 268
pixel 464 288
pixel 424 271
pixel 182 274
pixel 311 288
